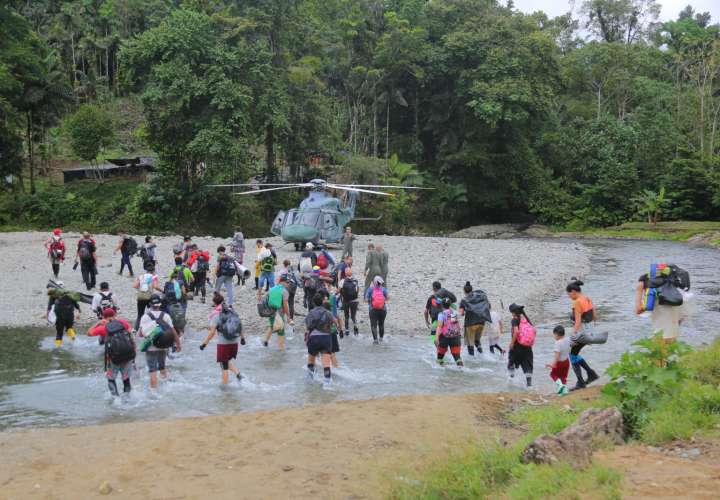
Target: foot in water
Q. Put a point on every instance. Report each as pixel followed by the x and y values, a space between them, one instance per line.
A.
pixel 58 343
pixel 71 333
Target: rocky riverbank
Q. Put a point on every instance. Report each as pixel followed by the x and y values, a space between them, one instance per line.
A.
pixel 519 270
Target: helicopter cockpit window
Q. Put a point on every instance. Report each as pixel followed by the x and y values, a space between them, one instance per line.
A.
pixel 329 221
pixel 309 218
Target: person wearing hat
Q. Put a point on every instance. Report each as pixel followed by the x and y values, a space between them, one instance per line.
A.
pixel 520 353
pixel 155 320
pixel 376 297
pixel 117 326
pixel 55 247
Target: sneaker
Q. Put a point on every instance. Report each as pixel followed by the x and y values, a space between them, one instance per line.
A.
pixel 239 377
pixel 578 387
pixel 242 340
pixel 563 390
pixel 375 342
pixel 58 343
pixel 592 377
pixel 202 300
pixel 71 333
pixel 356 331
pixel 347 333
pixel 265 343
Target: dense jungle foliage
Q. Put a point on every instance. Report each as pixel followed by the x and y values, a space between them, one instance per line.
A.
pixel 588 121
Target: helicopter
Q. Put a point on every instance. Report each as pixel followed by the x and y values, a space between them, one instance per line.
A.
pixel 320 218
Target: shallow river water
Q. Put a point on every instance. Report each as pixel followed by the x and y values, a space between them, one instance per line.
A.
pixel 41 386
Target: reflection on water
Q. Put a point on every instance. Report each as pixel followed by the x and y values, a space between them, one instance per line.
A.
pixel 42 386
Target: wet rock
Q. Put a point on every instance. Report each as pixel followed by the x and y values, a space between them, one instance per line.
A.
pixel 575 444
pixel 288 468
pixel 105 488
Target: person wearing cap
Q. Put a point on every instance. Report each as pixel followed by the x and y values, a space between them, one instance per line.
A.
pixel 86 255
pixel 278 299
pixel 155 356
pixel 102 300
pixel 376 297
pixel 55 247
pixel 112 370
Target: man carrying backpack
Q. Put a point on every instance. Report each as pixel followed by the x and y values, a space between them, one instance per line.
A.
pixel 176 292
pixel 293 283
pixel 101 301
pixel 184 276
pixel 127 246
pixel 350 293
pixel 267 269
pixel 156 327
pixel 199 264
pixel 120 349
pixel 66 306
pixel 225 321
pixel 225 271
pixel 277 299
pixel 147 252
pixel 87 257
pixel 55 247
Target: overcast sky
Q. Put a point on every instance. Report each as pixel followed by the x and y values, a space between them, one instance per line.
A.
pixel 670 8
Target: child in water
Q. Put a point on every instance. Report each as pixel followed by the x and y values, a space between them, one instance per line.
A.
pixel 494 333
pixel 560 367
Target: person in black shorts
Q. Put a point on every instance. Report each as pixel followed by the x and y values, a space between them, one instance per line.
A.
pixel 319 323
pixel 520 353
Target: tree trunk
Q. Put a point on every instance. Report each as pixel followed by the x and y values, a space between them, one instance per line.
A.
pixel 387 128
pixel 375 127
pixel 74 62
pixel 31 159
pixel 270 158
pixel 416 125
pixel 599 103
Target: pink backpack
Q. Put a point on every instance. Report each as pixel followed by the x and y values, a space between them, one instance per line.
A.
pixel 526 335
pixel 451 324
pixel 377 300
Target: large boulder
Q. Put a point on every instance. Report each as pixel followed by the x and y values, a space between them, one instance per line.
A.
pixel 576 443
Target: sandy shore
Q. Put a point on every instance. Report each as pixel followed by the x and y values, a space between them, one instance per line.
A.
pixel 349 449
pixel 510 271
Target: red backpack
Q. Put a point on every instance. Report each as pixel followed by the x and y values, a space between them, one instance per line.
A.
pixel 322 261
pixel 377 300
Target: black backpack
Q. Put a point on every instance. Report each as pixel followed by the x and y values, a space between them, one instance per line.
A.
pixel 131 246
pixel 230 325
pixel 227 266
pixel 144 254
pixel 349 290
pixel 203 265
pixel 166 339
pixel 119 344
pixel 292 282
pixel 84 250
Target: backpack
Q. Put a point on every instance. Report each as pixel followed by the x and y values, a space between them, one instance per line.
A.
pixel 451 325
pixel 166 339
pixel 322 261
pixel 106 301
pixel 172 291
pixel 268 264
pixel 349 291
pixel 435 306
pixel 306 266
pixel 178 249
pixel 229 325
pixel 203 265
pixel 144 254
pixel 377 300
pixel 119 344
pixel 227 267
pixel 130 245
pixel 84 251
pixel 57 248
pixel 265 310
pixel 292 282
pixel 526 335
pixel 177 313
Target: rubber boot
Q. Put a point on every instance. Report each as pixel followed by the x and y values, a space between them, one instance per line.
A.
pixel 71 333
pixel 113 387
pixel 58 342
pixel 471 350
pixel 478 348
pixel 578 373
pixel 126 385
pixel 592 376
pixel 257 283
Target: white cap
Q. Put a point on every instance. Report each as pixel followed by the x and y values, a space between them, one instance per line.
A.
pixel 309 245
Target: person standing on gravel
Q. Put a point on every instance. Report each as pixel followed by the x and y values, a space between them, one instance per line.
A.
pixel 347 242
pixel 225 271
pixel 86 255
pixel 384 260
pixel 124 247
pixel 259 247
pixel 55 247
pixel 373 265
pixel 238 246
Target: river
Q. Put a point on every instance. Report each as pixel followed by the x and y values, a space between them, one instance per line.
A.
pixel 42 386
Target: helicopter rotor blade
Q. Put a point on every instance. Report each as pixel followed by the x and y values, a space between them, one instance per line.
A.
pixel 254 185
pixel 382 187
pixel 358 190
pixel 257 191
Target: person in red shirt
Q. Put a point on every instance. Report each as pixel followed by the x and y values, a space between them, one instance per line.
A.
pixel 199 264
pixel 112 369
pixel 56 250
